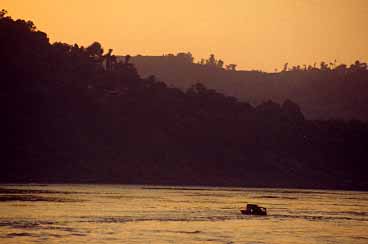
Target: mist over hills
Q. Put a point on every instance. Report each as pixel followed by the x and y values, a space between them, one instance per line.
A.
pixel 78 114
pixel 323 91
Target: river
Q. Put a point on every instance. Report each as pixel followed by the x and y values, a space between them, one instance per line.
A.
pixel 111 214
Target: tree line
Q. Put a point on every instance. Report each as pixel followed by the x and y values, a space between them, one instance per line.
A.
pixel 213 62
pixel 324 91
pixel 79 114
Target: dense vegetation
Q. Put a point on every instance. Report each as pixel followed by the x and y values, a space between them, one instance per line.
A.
pixel 323 91
pixel 75 114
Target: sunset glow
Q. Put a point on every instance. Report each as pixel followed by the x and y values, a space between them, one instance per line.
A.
pixel 253 34
pixel 184 121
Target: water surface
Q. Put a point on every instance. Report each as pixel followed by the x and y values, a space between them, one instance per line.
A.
pixel 146 214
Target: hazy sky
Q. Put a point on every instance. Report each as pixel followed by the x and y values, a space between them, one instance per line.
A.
pixel 255 34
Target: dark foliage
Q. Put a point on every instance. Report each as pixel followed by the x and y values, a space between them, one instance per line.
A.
pixel 75 114
pixel 329 91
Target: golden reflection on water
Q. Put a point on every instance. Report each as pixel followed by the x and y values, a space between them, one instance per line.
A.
pixel 140 214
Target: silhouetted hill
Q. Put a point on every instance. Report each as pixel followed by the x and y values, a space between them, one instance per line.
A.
pixel 77 114
pixel 326 92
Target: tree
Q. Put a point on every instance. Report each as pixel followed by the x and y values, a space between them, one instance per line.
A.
pixel 292 111
pixel 342 68
pixel 95 51
pixel 220 64
pixel 358 66
pixel 109 60
pixel 127 59
pixel 186 57
pixel 231 67
pixel 324 66
pixel 211 60
pixel 3 13
pixel 197 88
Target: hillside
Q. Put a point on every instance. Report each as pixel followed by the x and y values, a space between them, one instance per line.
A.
pixel 76 114
pixel 327 92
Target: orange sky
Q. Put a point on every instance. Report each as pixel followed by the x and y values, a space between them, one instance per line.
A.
pixel 255 34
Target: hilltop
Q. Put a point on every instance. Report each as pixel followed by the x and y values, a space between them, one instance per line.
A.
pixel 77 114
pixel 323 91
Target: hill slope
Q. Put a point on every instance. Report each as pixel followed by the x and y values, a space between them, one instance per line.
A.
pixel 74 114
pixel 323 93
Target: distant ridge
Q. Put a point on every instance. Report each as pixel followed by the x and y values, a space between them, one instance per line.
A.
pixel 79 114
pixel 329 91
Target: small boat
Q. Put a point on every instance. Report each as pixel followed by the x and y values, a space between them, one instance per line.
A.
pixel 253 209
